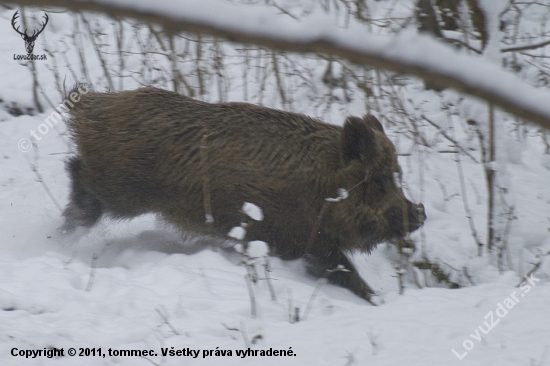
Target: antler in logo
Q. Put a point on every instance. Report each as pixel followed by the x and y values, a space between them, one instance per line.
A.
pixel 29 40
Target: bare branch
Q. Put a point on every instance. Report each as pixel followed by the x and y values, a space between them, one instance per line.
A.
pixel 526 47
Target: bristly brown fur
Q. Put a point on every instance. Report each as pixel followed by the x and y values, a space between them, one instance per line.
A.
pixel 139 151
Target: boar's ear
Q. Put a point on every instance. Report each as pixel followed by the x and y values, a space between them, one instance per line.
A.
pixel 373 122
pixel 358 140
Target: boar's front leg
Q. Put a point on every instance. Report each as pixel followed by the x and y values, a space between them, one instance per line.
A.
pixel 318 265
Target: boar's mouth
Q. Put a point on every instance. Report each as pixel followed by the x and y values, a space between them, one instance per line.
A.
pixel 412 226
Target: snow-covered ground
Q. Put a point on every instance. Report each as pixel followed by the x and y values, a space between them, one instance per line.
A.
pixel 138 285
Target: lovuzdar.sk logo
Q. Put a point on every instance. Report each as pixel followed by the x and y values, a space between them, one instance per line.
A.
pixel 29 39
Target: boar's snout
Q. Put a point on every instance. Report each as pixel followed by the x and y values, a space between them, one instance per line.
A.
pixel 421 212
pixel 396 221
pixel 416 215
pixel 420 215
pixel 403 218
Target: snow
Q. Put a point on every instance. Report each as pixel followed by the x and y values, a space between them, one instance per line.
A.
pixel 140 285
pixel 47 306
pixel 342 195
pixel 257 249
pixel 253 211
pixel 238 232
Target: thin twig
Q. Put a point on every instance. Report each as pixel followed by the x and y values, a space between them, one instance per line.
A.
pixel 467 275
pixel 456 143
pixel 525 47
pixel 34 168
pixel 92 272
pixel 207 200
pixel 251 295
pixel 245 336
pixel 161 310
pixel 318 286
pixel 267 270
pixel 535 267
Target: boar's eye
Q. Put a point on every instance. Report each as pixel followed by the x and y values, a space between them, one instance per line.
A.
pixel 378 182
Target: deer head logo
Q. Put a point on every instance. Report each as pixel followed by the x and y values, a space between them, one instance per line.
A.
pixel 29 40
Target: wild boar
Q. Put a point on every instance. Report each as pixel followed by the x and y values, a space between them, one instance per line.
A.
pixel 195 164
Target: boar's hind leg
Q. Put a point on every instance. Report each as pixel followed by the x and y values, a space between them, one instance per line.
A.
pixel 84 209
pixel 318 265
